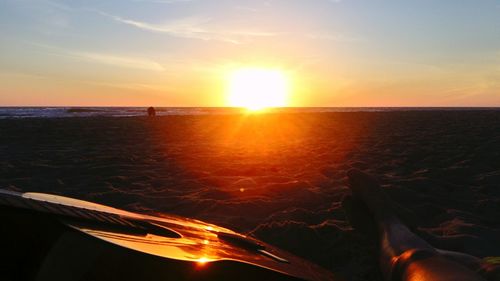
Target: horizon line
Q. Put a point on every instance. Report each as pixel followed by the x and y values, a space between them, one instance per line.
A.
pixel 233 107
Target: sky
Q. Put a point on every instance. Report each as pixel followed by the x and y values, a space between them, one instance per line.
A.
pixel 180 52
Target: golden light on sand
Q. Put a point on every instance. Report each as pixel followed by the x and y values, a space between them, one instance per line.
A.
pixel 256 88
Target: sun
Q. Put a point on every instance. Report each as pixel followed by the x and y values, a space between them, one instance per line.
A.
pixel 256 88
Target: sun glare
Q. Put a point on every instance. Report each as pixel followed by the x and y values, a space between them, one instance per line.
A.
pixel 256 89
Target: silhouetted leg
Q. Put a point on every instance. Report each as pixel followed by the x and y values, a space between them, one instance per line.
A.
pixel 403 255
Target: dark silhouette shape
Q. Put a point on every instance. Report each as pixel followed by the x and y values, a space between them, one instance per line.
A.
pixel 151 111
pixel 404 255
pixel 49 237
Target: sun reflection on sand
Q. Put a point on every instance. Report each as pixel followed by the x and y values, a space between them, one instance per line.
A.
pixel 248 155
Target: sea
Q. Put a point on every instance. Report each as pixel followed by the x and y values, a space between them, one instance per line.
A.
pixel 71 112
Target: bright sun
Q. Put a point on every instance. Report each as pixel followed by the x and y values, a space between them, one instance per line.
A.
pixel 255 88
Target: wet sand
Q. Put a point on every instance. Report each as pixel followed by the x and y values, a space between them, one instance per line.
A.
pixel 279 177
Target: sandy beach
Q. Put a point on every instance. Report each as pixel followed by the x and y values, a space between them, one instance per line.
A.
pixel 279 177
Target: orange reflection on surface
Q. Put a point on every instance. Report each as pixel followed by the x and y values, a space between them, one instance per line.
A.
pixel 202 262
pixel 198 242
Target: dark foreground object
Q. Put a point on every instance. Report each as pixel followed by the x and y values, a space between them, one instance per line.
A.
pixel 46 237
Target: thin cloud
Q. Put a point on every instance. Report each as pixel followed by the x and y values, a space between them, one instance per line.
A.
pixel 103 58
pixel 192 28
pixel 58 5
pixel 122 61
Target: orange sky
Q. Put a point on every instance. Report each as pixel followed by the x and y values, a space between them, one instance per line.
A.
pixel 179 53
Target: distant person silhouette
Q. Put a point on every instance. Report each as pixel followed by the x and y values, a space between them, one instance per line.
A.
pixel 151 111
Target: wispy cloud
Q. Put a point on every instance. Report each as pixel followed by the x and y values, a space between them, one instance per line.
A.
pixel 193 28
pixel 104 58
pixel 57 5
pixel 122 61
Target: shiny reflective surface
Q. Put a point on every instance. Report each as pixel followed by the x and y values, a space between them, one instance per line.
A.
pixel 201 243
pixel 182 239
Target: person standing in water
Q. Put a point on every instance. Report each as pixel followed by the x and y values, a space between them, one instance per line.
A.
pixel 403 255
pixel 151 111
